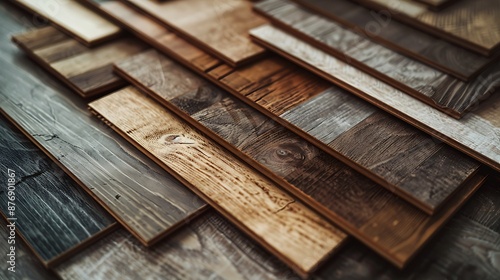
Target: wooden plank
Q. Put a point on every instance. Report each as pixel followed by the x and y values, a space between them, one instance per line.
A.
pixel 88 71
pixel 299 237
pixel 138 193
pixel 318 179
pixel 220 27
pixel 52 213
pixel 74 19
pixel 208 247
pixel 412 42
pixel 462 23
pixel 437 89
pixel 477 134
pixel 436 5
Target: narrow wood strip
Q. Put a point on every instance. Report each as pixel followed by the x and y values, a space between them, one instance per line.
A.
pixel 290 230
pixel 476 134
pixel 73 18
pixel 53 214
pixel 273 85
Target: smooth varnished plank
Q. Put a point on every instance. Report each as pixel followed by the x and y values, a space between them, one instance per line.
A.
pixel 299 237
pixel 219 27
pixel 54 215
pixel 138 193
pixel 476 134
pixel 438 89
pixel 208 247
pixel 73 18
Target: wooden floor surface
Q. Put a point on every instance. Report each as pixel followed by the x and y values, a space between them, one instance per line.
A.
pixel 88 71
pixel 440 90
pixel 138 193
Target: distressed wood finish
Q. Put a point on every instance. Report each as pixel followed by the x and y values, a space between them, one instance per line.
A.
pixel 220 27
pixel 88 71
pixel 433 87
pixel 412 42
pixel 344 196
pixel 299 237
pixel 53 214
pixel 477 134
pixel 208 247
pixel 74 19
pixel 138 193
pixel 462 23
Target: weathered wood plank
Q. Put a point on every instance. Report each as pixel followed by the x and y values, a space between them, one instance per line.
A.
pixel 219 27
pixel 53 214
pixel 143 197
pixel 477 134
pixel 86 70
pixel 437 89
pixel 74 19
pixel 294 233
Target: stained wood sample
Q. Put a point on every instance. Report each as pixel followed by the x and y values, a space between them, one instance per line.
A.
pixel 299 237
pixel 286 93
pixel 462 23
pixel 73 18
pixel 412 42
pixel 88 71
pixel 219 27
pixel 138 193
pixel 477 134
pixel 436 88
pixel 53 214
pixel 208 247
pixel 344 196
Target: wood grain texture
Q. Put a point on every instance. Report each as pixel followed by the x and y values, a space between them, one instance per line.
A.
pixel 419 45
pixel 461 23
pixel 53 214
pixel 88 71
pixel 219 27
pixel 436 5
pixel 299 237
pixel 438 89
pixel 208 247
pixel 277 89
pixel 344 196
pixel 74 19
pixel 138 193
pixel 477 134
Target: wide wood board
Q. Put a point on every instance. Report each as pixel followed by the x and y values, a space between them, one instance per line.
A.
pixel 382 29
pixel 440 90
pixel 73 18
pixel 285 93
pixel 477 134
pixel 220 27
pixel 463 23
pixel 286 227
pixel 88 71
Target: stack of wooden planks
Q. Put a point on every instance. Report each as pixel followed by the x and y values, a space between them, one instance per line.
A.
pixel 226 139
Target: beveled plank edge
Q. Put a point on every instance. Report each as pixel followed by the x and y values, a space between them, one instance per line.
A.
pixel 221 210
pixel 419 125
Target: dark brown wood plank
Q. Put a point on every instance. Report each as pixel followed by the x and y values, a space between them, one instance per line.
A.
pixel 138 193
pixel 50 211
pixel 437 89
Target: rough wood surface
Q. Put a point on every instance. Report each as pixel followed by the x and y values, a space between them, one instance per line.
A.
pixel 477 134
pixel 219 27
pixel 462 23
pixel 317 178
pixel 54 215
pixel 88 71
pixel 298 236
pixel 438 89
pixel 412 42
pixel 138 193
pixel 73 18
